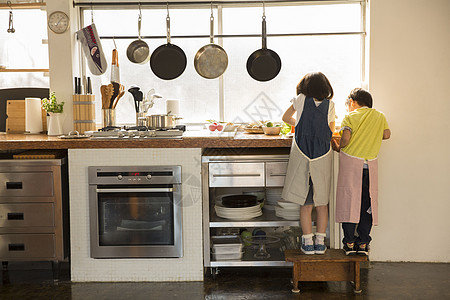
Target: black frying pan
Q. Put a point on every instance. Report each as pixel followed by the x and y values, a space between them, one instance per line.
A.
pixel 264 64
pixel 168 61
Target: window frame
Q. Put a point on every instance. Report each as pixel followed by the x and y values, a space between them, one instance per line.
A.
pixel 219 6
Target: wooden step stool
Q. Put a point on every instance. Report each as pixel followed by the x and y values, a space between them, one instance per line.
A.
pixel 334 265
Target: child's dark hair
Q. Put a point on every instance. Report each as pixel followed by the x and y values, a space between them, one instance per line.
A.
pixel 315 85
pixel 362 97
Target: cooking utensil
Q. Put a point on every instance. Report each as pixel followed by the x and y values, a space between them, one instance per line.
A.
pixel 263 64
pixel 115 74
pixel 166 121
pixel 168 61
pixel 211 60
pixel 137 96
pixel 11 26
pixel 116 90
pixel 138 51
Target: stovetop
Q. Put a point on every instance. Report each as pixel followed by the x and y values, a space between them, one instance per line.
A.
pixel 137 132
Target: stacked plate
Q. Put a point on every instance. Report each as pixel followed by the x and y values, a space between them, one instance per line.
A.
pixel 238 213
pixel 287 210
pixel 272 197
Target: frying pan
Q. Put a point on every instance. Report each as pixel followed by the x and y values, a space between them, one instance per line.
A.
pixel 263 64
pixel 138 51
pixel 211 60
pixel 168 61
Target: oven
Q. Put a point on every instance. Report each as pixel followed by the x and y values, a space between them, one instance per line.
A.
pixel 135 211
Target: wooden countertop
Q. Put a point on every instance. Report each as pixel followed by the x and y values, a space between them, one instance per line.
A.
pixel 191 139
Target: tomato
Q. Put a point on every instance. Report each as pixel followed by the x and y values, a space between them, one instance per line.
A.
pixel 220 127
pixel 212 127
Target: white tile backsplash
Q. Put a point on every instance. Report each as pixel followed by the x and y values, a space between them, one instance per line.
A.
pixel 84 268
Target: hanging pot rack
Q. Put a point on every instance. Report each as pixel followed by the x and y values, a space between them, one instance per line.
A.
pixel 206 3
pixel 91 5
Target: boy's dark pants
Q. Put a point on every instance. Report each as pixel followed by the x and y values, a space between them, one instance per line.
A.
pixel 365 220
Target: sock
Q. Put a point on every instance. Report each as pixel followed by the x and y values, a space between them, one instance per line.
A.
pixel 307 239
pixel 320 238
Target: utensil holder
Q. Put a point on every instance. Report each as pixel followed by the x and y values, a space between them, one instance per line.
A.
pixel 108 117
pixel 141 119
pixel 83 113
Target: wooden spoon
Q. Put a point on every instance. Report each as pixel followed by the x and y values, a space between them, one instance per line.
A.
pixel 104 96
pixel 118 97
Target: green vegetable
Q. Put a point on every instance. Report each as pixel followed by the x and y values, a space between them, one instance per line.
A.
pixel 52 105
pixel 269 124
pixel 285 129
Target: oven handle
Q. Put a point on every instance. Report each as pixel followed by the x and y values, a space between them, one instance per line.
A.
pixel 150 190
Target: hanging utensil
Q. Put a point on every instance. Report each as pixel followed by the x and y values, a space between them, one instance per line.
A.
pixel 138 51
pixel 168 61
pixel 11 26
pixel 264 64
pixel 115 73
pixel 211 60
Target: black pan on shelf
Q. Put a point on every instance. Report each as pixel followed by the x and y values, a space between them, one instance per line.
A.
pixel 239 200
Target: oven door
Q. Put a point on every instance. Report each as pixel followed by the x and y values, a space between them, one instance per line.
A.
pixel 135 221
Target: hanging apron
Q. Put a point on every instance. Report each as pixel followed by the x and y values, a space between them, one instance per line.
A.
pixel 310 157
pixel 349 188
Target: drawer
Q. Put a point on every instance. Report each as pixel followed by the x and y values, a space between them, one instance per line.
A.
pixel 276 173
pixel 31 184
pixel 28 246
pixel 236 174
pixel 27 215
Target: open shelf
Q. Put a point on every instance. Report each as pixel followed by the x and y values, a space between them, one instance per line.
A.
pixel 276 259
pixel 268 219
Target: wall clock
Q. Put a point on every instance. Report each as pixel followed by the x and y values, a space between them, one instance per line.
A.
pixel 58 22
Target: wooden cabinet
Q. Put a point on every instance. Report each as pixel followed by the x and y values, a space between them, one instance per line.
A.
pixel 34 211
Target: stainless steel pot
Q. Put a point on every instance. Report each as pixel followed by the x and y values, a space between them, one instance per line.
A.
pixel 161 121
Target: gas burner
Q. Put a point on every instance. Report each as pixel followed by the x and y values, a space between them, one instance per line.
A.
pixel 109 128
pixel 133 134
pixel 137 128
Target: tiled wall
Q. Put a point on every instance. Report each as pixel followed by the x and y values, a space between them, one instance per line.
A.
pixel 187 268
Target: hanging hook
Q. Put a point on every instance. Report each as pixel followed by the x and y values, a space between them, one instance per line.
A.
pixel 168 9
pixel 114 41
pixel 211 9
pixel 92 13
pixel 140 12
pixel 264 10
pixel 11 26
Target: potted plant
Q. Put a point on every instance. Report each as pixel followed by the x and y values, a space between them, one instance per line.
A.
pixel 54 114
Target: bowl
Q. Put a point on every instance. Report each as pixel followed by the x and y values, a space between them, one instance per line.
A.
pixel 215 127
pixel 272 130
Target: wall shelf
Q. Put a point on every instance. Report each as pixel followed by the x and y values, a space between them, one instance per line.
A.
pixel 22 5
pixel 24 70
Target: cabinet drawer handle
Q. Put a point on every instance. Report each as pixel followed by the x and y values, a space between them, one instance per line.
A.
pixel 16 247
pixel 281 174
pixel 236 175
pixel 14 185
pixel 15 216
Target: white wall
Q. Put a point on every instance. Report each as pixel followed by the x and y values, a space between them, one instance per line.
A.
pixel 409 78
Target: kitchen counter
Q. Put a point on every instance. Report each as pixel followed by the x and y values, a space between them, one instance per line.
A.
pixel 191 139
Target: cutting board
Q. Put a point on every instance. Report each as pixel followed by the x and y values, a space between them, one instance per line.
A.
pixel 15 110
pixel 15 122
pixel 40 154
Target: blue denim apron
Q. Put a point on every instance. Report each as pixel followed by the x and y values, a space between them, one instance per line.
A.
pixel 310 157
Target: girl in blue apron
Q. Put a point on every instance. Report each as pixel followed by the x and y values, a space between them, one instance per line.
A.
pixel 308 177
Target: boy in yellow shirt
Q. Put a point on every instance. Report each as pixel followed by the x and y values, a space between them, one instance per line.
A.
pixel 362 131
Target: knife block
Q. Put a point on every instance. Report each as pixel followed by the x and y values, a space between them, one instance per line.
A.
pixel 83 113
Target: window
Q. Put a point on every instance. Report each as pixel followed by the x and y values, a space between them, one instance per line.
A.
pixel 23 50
pixel 307 37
